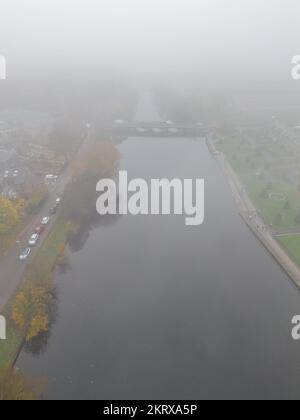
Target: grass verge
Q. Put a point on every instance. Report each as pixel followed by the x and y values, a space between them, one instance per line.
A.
pixel 291 244
pixel 10 347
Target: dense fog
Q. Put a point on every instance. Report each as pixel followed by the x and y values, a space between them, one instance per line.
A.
pixel 225 42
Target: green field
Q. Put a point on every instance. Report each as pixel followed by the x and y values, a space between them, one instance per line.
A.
pixel 249 168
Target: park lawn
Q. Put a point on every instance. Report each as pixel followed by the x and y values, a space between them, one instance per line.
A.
pixel 291 244
pixel 269 208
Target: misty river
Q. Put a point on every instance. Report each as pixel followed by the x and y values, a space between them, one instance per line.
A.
pixel 153 309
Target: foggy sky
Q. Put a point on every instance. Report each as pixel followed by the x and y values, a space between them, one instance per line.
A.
pixel 222 39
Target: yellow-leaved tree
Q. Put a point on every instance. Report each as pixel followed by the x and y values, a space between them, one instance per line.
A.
pixel 16 386
pixel 8 215
pixel 39 323
pixel 30 311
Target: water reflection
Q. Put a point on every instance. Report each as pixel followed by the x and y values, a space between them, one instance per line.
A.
pixel 79 238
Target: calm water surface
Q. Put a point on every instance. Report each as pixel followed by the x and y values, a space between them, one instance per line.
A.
pixel 151 309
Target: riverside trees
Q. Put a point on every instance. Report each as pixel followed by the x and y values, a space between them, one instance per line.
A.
pixel 8 215
pixel 101 160
pixel 30 310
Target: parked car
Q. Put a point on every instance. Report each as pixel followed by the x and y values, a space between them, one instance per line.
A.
pixel 25 254
pixel 33 240
pixel 51 178
pixel 53 210
pixel 45 221
pixel 39 230
pixel 58 201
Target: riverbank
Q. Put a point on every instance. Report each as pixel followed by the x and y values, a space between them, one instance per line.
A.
pixel 31 301
pixel 253 218
pixel 45 262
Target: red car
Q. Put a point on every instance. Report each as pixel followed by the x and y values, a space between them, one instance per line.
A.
pixel 39 230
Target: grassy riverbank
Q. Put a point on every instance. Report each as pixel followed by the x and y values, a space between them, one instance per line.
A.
pixel 44 262
pixel 9 348
pixel 51 249
pixel 291 244
pixel 32 308
pixel 275 198
pixel 272 193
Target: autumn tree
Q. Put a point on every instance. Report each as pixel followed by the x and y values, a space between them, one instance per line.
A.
pixel 30 311
pixel 37 199
pixel 8 215
pixel 15 386
pixel 98 161
pixel 20 206
pixel 101 159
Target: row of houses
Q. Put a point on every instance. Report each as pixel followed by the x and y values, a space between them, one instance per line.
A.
pixel 25 158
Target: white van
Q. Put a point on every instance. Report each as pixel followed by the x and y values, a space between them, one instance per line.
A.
pixel 51 177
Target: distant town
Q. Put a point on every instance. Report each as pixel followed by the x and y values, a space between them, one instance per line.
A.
pixel 23 165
